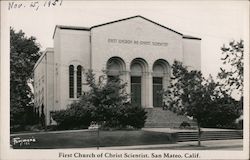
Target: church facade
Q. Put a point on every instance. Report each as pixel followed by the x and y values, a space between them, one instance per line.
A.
pixel 137 49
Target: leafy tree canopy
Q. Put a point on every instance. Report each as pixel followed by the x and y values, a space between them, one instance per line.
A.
pixel 191 94
pixel 232 73
pixel 203 99
pixel 106 95
pixel 24 52
pixel 106 102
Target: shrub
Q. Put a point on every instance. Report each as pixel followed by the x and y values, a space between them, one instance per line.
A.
pixel 124 117
pixel 134 116
pixel 185 124
pixel 77 116
pixel 16 128
pixel 34 128
pixel 106 103
pixel 240 124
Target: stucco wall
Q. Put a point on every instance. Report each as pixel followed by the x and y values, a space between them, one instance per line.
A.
pixel 39 85
pixel 135 38
pixel 128 39
pixel 44 84
pixel 192 53
pixel 57 77
pixel 136 29
pixel 50 83
pixel 72 47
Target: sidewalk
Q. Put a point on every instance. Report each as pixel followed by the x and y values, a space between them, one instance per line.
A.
pixel 192 145
pixel 164 130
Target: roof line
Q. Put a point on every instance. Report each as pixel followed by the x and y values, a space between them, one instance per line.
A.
pixel 89 29
pixel 135 17
pixel 70 27
pixel 42 55
pixel 195 38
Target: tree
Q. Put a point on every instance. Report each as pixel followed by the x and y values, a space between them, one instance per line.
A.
pixel 232 73
pixel 24 52
pixel 111 103
pixel 222 110
pixel 191 95
pixel 106 102
pixel 107 96
pixel 185 94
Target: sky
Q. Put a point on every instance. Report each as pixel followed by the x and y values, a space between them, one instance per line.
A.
pixel 216 22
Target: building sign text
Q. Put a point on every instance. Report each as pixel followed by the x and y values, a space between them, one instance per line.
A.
pixel 137 42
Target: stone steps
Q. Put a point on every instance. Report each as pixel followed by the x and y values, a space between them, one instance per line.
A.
pixel 159 118
pixel 209 135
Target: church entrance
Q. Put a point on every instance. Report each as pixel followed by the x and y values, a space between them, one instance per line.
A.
pixel 136 90
pixel 138 79
pixel 161 75
pixel 157 89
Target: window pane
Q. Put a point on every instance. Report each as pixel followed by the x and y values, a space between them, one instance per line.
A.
pixel 157 80
pixel 135 79
pixel 79 81
pixel 71 81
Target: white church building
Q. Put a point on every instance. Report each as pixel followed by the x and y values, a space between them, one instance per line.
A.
pixel 137 49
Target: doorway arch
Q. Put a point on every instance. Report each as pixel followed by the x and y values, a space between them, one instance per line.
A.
pixel 161 77
pixel 115 67
pixel 138 70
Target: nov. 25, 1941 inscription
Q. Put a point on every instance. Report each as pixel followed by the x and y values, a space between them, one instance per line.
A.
pixel 34 4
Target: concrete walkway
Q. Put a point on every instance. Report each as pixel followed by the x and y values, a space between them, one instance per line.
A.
pixel 165 130
pixel 192 145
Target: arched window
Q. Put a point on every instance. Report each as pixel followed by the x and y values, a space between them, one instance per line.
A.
pixel 71 81
pixel 79 81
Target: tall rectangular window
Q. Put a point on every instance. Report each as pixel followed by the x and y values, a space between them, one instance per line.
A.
pixel 71 81
pixel 79 81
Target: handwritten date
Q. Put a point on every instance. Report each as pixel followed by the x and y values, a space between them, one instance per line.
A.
pixel 34 4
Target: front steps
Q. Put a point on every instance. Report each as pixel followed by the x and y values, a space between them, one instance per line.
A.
pixel 209 135
pixel 159 118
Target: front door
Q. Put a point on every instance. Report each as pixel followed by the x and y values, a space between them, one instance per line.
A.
pixel 136 91
pixel 157 89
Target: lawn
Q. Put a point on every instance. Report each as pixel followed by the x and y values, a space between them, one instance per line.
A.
pixel 87 139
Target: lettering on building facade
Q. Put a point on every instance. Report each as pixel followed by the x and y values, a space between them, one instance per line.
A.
pixel 136 42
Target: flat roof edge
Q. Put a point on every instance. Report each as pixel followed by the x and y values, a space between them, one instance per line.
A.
pixel 69 27
pixel 137 16
pixel 41 57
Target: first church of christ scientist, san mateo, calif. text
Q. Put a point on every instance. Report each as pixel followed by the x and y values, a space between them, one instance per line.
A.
pixel 137 49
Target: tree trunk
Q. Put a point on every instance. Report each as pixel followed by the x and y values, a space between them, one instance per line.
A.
pixel 98 139
pixel 199 134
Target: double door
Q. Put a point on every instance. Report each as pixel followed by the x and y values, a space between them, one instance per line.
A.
pixel 136 90
pixel 157 92
pixel 136 86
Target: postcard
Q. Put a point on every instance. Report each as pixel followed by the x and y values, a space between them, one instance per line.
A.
pixel 153 80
